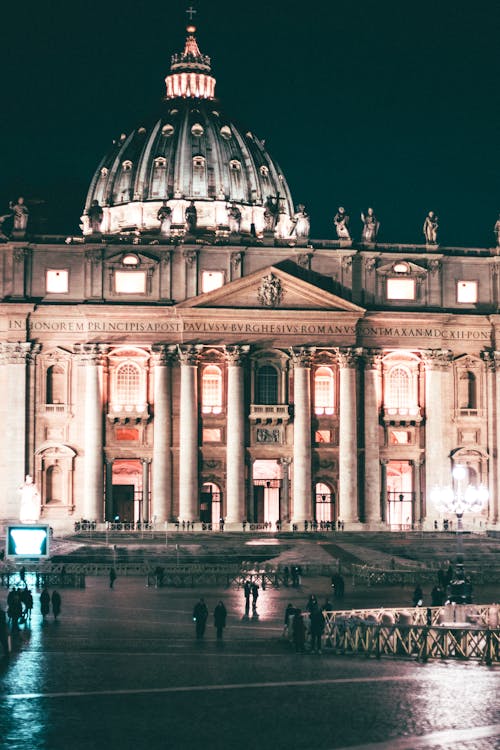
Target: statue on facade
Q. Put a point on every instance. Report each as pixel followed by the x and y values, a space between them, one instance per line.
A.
pixel 370 226
pixel 234 218
pixel 29 510
pixel 431 228
pixel 270 292
pixel 164 216
pixel 496 229
pixel 20 214
pixel 341 221
pixel 95 217
pixel 301 223
pixel 271 210
pixel 191 217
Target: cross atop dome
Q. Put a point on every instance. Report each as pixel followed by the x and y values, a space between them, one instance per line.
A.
pixel 190 70
pixel 191 12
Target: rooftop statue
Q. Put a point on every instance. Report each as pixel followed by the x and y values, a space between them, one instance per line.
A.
pixel 271 211
pixel 191 216
pixel 95 217
pixel 341 221
pixel 301 222
pixel 430 228
pixel 234 218
pixel 29 510
pixel 164 216
pixel 20 213
pixel 370 226
pixel 496 229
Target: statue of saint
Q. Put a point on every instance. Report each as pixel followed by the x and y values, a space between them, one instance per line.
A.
pixel 496 229
pixel 164 216
pixel 341 221
pixel 29 510
pixel 20 213
pixel 191 217
pixel 234 218
pixel 430 228
pixel 271 210
pixel 95 217
pixel 370 226
pixel 302 225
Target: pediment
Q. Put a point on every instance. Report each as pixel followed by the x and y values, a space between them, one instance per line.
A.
pixel 397 269
pixel 272 288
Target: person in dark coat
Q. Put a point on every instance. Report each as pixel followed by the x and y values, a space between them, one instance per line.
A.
pixel 45 602
pixel 298 631
pixel 112 577
pixel 418 596
pixel 200 614
pixel 4 633
pixel 220 614
pixel 255 595
pixel 56 604
pixel 247 589
pixel 317 628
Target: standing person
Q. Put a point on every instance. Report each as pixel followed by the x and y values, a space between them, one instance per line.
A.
pixel 317 628
pixel 220 614
pixel 289 611
pixel 200 614
pixel 4 633
pixel 247 588
pixel 44 602
pixel 112 577
pixel 255 595
pixel 298 631
pixel 56 604
pixel 418 596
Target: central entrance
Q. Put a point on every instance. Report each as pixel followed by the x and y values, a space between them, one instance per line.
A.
pixel 267 481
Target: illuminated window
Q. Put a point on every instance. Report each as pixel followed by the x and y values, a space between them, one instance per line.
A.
pixel 323 391
pixel 235 165
pixel 323 436
pixel 401 289
pixel 57 282
pixel 399 437
pixel 212 435
pixel 130 282
pixel 55 385
pixel 127 384
pixel 467 292
pixel 167 130
pixel 127 434
pixel 211 280
pixel 211 390
pixel 158 181
pixel 324 510
pixel 225 132
pixel 398 391
pixel 197 130
pixel 266 385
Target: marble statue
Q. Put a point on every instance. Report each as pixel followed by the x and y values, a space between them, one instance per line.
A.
pixel 271 210
pixel 496 229
pixel 164 216
pixel 95 217
pixel 430 228
pixel 20 213
pixel 302 224
pixel 234 218
pixel 29 510
pixel 370 226
pixel 341 221
pixel 191 217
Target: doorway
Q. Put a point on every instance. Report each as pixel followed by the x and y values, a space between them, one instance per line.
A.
pixel 266 500
pixel 400 495
pixel 123 502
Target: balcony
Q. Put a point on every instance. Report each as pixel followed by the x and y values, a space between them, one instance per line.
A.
pixel 128 413
pixel 402 414
pixel 269 413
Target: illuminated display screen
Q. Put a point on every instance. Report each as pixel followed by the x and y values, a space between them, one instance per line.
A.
pixel 27 541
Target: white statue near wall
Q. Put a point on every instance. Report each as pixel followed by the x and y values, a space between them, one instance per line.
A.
pixel 29 510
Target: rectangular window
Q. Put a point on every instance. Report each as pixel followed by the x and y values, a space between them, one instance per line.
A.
pixel 467 292
pixel 211 280
pixel 130 282
pixel 399 437
pixel 323 436
pixel 57 281
pixel 212 435
pixel 401 289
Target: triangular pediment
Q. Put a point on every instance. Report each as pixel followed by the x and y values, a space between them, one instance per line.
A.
pixel 272 288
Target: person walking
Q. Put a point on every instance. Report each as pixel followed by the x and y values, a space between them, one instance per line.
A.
pixel 112 577
pixel 247 589
pixel 4 633
pixel 56 604
pixel 200 614
pixel 45 602
pixel 220 614
pixel 317 628
pixel 255 595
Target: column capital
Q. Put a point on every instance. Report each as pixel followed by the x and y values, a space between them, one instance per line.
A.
pixel 190 256
pixel 348 356
pixel 235 355
pixel 189 355
pixel 372 359
pixel 236 259
pixel 437 359
pixel 91 354
pixel 19 353
pixel 163 354
pixel 491 358
pixel 301 356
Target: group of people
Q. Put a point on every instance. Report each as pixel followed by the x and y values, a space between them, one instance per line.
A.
pixel 200 617
pixel 19 606
pixel 298 624
pixel 250 589
pixel 46 601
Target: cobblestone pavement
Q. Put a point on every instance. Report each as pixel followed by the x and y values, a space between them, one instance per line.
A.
pixel 122 669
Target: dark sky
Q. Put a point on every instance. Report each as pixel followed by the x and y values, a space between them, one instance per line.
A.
pixel 394 105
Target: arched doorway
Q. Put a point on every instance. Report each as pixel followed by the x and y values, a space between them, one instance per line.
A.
pixel 400 495
pixel 210 504
pixel 267 483
pixel 324 503
pixel 127 502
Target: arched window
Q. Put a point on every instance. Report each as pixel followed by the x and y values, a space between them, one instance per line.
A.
pixel 467 391
pixel 266 391
pixel 323 391
pixel 158 186
pixel 211 390
pixel 324 504
pixel 199 176
pixel 55 385
pixel 127 385
pixel 398 393
pixel 210 504
pixel 53 485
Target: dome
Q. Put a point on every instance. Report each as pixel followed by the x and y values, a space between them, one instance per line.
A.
pixel 193 161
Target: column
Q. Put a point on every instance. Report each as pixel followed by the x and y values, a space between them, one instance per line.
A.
pixel 188 444
pixel 161 496
pixel 383 492
pixel 437 414
pixel 145 490
pixel 92 357
pixel 348 438
pixel 372 390
pixel 109 514
pixel 14 359
pixel 492 360
pixel 285 495
pixel 235 437
pixel 418 514
pixel 302 490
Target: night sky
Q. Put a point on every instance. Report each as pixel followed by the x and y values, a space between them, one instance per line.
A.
pixel 393 105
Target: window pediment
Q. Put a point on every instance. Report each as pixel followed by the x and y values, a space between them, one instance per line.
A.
pixel 402 269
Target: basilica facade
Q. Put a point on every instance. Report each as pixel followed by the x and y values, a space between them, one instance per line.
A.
pixel 196 355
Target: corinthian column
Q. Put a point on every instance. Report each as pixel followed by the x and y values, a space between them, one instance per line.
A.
pixel 372 363
pixel 302 490
pixel 14 359
pixel 437 415
pixel 492 361
pixel 235 438
pixel 161 496
pixel 92 357
pixel 348 438
pixel 188 444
